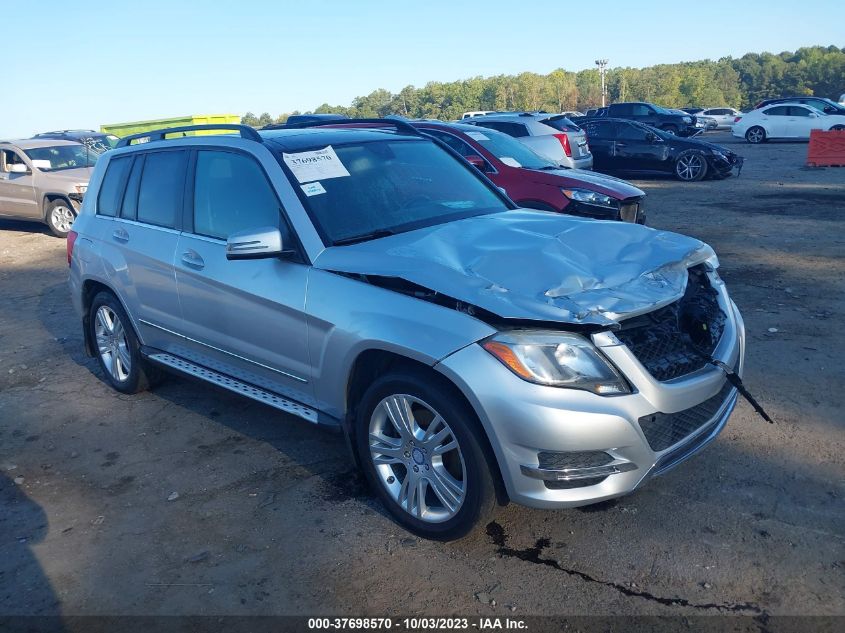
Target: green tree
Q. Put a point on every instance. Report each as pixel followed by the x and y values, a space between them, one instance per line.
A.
pixel 249 119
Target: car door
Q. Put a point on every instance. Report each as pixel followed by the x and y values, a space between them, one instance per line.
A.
pixel 600 137
pixel 801 120
pixel 17 190
pixel 775 121
pixel 245 318
pixel 636 150
pixel 140 203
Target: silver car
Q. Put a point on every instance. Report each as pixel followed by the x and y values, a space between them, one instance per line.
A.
pixel 373 281
pixel 553 136
pixel 44 180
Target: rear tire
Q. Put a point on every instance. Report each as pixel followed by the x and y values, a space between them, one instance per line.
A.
pixel 838 127
pixel 116 346
pixel 756 135
pixel 420 450
pixel 60 216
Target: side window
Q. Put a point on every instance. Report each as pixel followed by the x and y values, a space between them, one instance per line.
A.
pixel 162 187
pixel 231 194
pixel 798 111
pixel 454 142
pixel 111 191
pixel 777 111
pixel 8 159
pixel 597 129
pixel 511 129
pixel 631 132
pixel 129 210
pixel 622 109
pixel 640 109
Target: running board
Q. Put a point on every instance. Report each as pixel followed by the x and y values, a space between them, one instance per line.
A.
pixel 232 384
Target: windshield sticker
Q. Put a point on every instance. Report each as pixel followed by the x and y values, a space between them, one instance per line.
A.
pixel 42 164
pixel 320 164
pixel 510 162
pixel 478 136
pixel 459 204
pixel 313 189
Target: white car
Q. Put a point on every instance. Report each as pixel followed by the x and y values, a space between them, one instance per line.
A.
pixel 724 117
pixel 785 120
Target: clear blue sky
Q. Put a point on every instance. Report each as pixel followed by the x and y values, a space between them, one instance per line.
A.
pixel 80 64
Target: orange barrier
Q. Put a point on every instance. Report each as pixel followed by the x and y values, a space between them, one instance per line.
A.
pixel 826 149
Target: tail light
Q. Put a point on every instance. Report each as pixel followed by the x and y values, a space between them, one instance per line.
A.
pixel 736 119
pixel 71 240
pixel 564 140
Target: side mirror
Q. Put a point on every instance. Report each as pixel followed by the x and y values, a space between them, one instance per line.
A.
pixel 476 161
pixel 255 244
pixel 18 168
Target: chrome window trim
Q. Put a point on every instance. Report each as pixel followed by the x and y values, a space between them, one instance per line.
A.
pixel 222 351
pixel 165 229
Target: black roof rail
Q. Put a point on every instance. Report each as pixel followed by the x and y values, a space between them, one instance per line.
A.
pixel 399 124
pixel 159 135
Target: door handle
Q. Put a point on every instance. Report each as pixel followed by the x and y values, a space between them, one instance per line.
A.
pixel 121 235
pixel 193 259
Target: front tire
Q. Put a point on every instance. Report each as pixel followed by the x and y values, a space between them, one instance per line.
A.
pixel 421 452
pixel 60 216
pixel 755 135
pixel 690 166
pixel 670 129
pixel 116 346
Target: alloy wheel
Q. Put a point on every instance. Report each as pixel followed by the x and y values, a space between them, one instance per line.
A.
pixel 689 167
pixel 112 344
pixel 417 458
pixel 62 217
pixel 755 135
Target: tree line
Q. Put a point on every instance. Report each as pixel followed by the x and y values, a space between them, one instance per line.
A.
pixel 739 83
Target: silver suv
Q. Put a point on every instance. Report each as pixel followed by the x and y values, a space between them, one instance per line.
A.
pixel 553 136
pixel 44 180
pixel 370 279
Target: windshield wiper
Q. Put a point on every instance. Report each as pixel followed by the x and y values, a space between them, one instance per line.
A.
pixel 365 237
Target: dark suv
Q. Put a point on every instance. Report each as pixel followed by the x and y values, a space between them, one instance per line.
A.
pixel 655 116
pixel 95 141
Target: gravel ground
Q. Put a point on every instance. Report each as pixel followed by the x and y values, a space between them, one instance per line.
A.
pixel 189 500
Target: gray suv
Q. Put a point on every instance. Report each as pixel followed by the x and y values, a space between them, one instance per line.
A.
pixel 371 280
pixel 44 180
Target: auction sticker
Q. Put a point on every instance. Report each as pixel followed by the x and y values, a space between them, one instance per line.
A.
pixel 320 164
pixel 313 189
pixel 478 136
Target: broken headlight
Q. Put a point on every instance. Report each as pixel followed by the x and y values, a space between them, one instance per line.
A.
pixel 589 197
pixel 557 359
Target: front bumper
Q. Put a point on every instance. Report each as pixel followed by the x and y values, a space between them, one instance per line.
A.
pixel 725 167
pixel 526 422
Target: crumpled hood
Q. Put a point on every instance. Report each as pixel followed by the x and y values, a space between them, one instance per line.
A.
pixel 609 185
pixel 533 265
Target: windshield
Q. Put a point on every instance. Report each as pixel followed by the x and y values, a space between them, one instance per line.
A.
pixel 508 150
pixel 661 110
pixel 62 157
pixel 358 190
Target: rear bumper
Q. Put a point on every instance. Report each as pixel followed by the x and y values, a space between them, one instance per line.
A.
pixel 583 162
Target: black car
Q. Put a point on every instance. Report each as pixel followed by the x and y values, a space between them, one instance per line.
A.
pixel 619 145
pixel 96 141
pixel 655 116
pixel 819 103
pixel 310 118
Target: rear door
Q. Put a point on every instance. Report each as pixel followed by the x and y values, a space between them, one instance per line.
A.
pixel 775 121
pixel 245 318
pixel 17 190
pixel 140 202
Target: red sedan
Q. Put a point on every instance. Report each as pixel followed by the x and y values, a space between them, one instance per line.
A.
pixel 534 182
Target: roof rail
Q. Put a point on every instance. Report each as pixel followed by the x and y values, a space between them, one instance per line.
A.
pixel 159 135
pixel 399 124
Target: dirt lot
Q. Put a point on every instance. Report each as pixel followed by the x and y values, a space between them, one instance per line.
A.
pixel 270 519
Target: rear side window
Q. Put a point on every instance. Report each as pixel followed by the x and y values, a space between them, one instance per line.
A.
pixel 777 111
pixel 232 194
pixel 111 191
pixel 511 129
pixel 598 129
pixel 162 187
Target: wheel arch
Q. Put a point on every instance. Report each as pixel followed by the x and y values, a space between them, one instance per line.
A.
pixel 50 197
pixel 372 363
pixel 90 289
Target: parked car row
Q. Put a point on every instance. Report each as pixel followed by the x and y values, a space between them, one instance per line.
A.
pixel 368 275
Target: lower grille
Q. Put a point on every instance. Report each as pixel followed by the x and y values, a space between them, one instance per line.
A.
pixel 677 339
pixel 663 430
pixel 550 460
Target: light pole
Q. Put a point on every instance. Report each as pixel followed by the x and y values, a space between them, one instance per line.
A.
pixel 602 64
